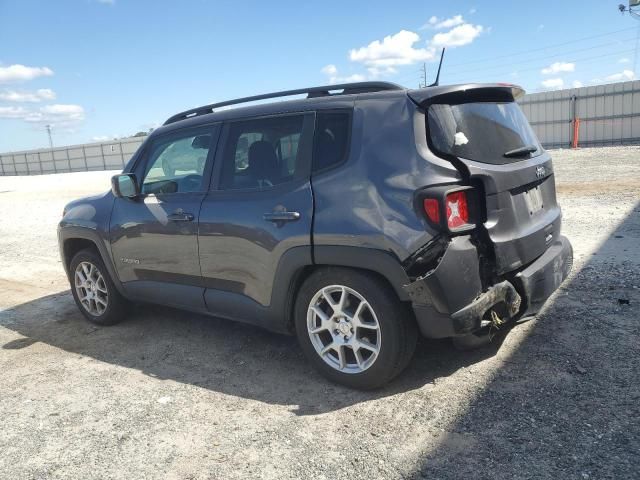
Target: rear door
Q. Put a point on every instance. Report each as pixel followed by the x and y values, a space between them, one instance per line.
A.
pixel 260 207
pixel 154 237
pixel 488 137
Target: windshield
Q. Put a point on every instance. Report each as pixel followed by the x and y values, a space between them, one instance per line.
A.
pixel 482 131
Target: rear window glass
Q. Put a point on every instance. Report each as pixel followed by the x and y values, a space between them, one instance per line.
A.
pixel 482 131
pixel 331 143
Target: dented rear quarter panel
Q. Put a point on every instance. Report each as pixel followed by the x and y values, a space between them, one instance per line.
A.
pixel 369 201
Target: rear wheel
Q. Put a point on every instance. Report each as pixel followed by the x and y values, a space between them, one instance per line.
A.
pixel 353 328
pixel 94 291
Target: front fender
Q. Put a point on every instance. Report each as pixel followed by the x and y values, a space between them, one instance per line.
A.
pixel 68 232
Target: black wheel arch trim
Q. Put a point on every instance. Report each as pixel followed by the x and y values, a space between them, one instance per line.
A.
pixel 73 232
pixel 364 258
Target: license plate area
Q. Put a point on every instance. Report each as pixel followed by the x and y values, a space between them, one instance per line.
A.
pixel 533 200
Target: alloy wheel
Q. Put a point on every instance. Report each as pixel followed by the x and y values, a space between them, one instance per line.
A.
pixel 91 288
pixel 343 329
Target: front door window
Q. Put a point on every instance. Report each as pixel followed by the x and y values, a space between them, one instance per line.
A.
pixel 176 164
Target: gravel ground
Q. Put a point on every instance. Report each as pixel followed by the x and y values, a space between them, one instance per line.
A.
pixel 173 395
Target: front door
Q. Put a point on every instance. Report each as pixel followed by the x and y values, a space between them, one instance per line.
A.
pixel 260 207
pixel 154 237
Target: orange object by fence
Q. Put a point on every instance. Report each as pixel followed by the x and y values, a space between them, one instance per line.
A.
pixel 576 132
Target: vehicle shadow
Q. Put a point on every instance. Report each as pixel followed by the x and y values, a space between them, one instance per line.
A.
pixel 219 355
pixel 565 403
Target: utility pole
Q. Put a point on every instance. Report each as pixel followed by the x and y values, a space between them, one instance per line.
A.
pixel 633 10
pixel 48 127
pixel 424 76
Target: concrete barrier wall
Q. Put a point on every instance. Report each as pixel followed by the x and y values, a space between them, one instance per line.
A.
pixel 111 155
pixel 604 115
pixel 599 115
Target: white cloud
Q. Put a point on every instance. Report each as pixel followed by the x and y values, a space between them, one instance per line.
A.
pixel 67 112
pixel 332 72
pixel 437 23
pixel 329 70
pixel 46 94
pixel 383 57
pixel 624 60
pixel 393 50
pixel 375 72
pixel 622 76
pixel 21 73
pixel 356 77
pixel 57 114
pixel 558 67
pixel 553 83
pixel 101 138
pixel 541 26
pixel 458 36
pixel 577 84
pixel 13 112
pixel 37 96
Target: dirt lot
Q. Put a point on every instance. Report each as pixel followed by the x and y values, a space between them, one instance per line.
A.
pixel 174 395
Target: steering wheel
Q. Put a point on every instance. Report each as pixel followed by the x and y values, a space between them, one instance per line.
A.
pixel 190 183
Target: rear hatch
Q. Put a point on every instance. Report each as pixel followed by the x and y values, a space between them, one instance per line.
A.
pixel 483 132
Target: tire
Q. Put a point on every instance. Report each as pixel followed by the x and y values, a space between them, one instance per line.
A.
pixel 106 306
pixel 378 336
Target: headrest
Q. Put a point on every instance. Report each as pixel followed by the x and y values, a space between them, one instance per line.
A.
pixel 263 160
pixel 201 141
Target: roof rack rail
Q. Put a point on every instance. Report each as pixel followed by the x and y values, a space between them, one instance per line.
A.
pixel 313 92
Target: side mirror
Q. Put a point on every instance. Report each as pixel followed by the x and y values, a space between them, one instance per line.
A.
pixel 125 185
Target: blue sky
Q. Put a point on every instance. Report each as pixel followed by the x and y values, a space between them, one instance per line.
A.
pixel 98 69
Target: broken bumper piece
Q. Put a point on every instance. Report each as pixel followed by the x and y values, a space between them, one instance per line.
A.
pixel 449 300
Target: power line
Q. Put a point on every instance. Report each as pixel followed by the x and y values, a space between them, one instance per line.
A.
pixel 546 57
pixel 582 60
pixel 542 48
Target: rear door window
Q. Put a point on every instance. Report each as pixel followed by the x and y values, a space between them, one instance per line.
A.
pixel 265 152
pixel 488 132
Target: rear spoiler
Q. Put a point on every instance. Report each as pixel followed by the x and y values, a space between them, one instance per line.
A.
pixel 466 93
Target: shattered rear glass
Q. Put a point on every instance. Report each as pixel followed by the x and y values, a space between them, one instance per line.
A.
pixel 480 131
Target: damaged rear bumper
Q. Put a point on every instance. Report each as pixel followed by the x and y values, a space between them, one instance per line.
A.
pixel 450 300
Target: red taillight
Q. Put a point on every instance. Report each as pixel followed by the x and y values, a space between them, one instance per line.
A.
pixel 457 209
pixel 432 209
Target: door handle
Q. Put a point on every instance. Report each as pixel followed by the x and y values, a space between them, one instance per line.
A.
pixel 278 217
pixel 180 216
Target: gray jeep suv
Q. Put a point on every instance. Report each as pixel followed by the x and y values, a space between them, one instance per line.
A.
pixel 352 218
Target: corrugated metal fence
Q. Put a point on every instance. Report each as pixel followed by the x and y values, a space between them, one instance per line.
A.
pixel 585 117
pixel 76 158
pixel 588 116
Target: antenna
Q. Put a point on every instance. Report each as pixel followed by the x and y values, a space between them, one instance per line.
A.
pixel 437 82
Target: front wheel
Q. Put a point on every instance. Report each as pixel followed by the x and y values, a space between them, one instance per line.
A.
pixel 94 291
pixel 353 328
